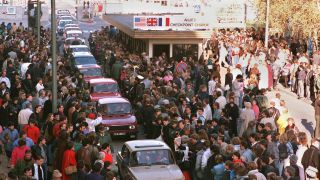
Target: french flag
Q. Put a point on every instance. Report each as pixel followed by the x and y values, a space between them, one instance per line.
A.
pixel 164 22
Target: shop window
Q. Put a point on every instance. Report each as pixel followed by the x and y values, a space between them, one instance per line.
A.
pixel 185 50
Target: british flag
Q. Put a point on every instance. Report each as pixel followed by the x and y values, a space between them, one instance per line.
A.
pixel 152 21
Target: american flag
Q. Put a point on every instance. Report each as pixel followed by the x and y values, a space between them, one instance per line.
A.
pixel 139 21
pixel 152 22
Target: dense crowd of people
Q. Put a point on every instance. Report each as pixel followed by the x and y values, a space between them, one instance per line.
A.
pixel 220 125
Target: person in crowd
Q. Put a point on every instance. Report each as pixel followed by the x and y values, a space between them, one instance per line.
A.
pixel 69 159
pixel 172 98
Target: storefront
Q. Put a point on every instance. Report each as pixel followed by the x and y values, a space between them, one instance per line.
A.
pixel 175 43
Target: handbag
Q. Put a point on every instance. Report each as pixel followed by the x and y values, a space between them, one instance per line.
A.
pixel 311 171
pixel 70 169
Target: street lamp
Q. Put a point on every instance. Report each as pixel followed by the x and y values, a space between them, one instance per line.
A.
pixel 267 24
pixel 54 56
pixel 38 21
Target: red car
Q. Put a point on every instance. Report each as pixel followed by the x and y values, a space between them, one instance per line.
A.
pixel 90 71
pixel 118 117
pixel 103 88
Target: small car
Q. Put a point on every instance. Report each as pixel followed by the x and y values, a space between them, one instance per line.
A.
pixel 74 41
pixel 79 48
pixel 61 25
pixel 103 88
pixel 62 12
pixel 74 33
pixel 90 71
pixel 118 117
pixel 81 58
pixel 147 159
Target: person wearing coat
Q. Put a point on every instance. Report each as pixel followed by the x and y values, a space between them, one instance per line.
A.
pixel 18 152
pixel 246 116
pixel 311 157
pixel 218 170
pixel 317 115
pixel 253 169
pixel 69 159
pixel 116 69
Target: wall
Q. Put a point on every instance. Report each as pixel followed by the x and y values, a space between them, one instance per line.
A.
pixel 17 17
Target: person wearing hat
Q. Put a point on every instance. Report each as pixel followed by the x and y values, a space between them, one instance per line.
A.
pixel 93 121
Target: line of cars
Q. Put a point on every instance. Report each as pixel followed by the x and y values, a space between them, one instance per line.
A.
pixel 116 111
pixel 138 159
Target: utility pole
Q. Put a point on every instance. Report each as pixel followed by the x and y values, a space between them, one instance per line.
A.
pixel 54 56
pixel 266 39
pixel 38 21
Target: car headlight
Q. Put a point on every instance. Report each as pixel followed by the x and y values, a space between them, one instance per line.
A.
pixel 132 127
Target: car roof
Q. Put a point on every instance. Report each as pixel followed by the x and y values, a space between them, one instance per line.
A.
pixel 72 25
pixel 88 66
pixel 78 46
pixel 111 100
pixel 74 31
pixel 65 20
pixel 140 145
pixel 82 54
pixel 102 80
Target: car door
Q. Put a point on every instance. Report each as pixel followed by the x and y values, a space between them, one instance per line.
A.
pixel 123 160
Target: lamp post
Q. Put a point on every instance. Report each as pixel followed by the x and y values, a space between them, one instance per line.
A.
pixel 54 56
pixel 266 39
pixel 38 21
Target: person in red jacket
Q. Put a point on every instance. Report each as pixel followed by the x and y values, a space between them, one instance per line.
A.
pixel 69 159
pixel 32 131
pixel 57 127
pixel 18 152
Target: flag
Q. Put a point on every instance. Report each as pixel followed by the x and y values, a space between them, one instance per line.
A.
pixel 167 21
pixel 160 22
pixel 152 21
pixel 139 21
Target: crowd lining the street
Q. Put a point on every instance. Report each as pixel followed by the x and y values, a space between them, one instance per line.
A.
pixel 218 130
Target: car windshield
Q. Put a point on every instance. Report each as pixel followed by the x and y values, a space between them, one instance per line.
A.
pixel 85 60
pixel 91 72
pixel 151 157
pixel 74 35
pixel 80 49
pixel 63 23
pixel 112 87
pixel 116 108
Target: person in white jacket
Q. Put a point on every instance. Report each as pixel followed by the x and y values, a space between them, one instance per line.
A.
pixel 302 147
pixel 93 121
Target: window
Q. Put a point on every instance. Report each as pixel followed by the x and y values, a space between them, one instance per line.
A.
pixel 151 157
pixel 116 108
pixel 185 50
pixel 106 88
pixel 85 60
pixel 164 3
pixel 91 72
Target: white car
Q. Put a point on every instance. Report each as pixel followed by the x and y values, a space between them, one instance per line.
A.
pixel 62 12
pixel 79 48
pixel 74 33
pixel 71 25
pixel 62 23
